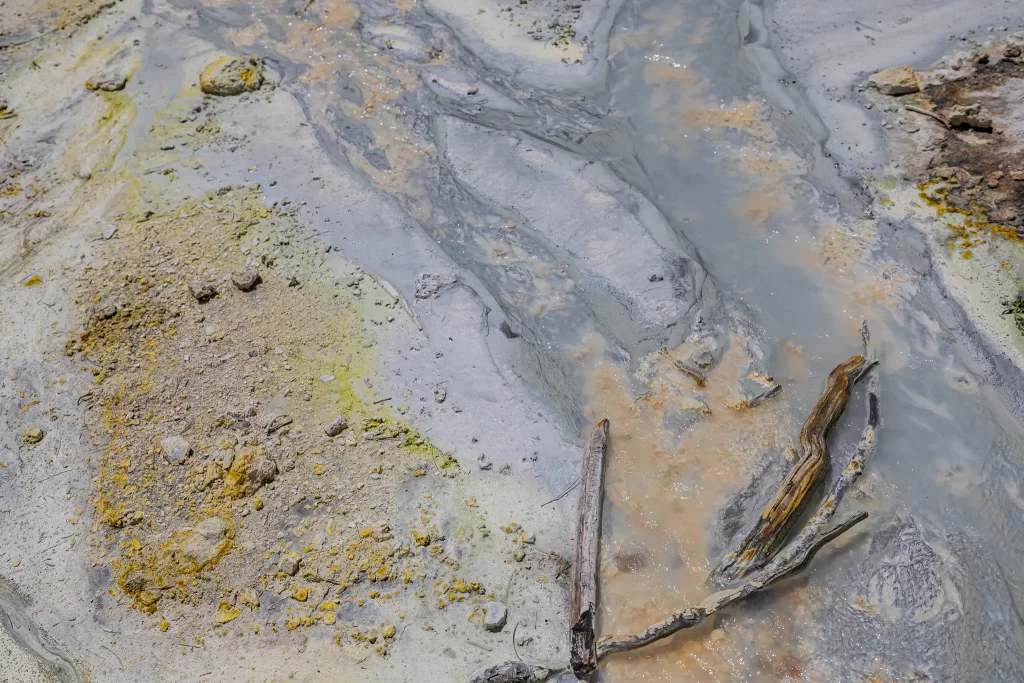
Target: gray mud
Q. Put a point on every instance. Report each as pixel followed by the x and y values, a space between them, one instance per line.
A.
pixel 688 171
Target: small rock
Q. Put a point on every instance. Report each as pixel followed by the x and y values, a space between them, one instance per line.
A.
pixel 897 80
pixel 260 472
pixel 291 279
pixel 246 279
pixel 175 449
pixel 440 394
pixel 1017 175
pixel 202 291
pixel 167 147
pixel 207 541
pixel 135 582
pixel 909 125
pixel 655 278
pixel 278 421
pixel 211 475
pixel 214 528
pixel 238 421
pixel 232 75
pixel 1006 215
pixel 993 179
pixel 289 563
pixel 149 599
pixel 430 284
pixel 519 554
pixel 107 312
pixel 107 81
pixel 495 616
pixel 337 427
pixel 108 231
pixel 32 435
pixel 1012 51
pixel 970 116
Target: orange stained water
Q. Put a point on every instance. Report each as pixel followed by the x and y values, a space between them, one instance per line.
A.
pixel 664 492
pixel 328 42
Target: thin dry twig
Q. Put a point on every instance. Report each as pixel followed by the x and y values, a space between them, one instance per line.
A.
pixel 769 393
pixel 115 655
pixel 514 647
pixel 938 117
pixel 564 493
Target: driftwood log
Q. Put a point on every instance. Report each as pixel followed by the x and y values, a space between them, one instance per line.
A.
pixel 792 557
pixel 583 590
pixel 773 526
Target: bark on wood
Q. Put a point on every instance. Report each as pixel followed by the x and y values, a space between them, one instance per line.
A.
pixel 513 672
pixel 794 557
pixel 777 519
pixel 690 617
pixel 791 559
pixel 583 591
pixel 767 394
pixel 518 672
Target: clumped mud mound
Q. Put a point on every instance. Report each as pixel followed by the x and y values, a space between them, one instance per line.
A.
pixel 977 170
pixel 230 485
pixel 958 143
pixel 247 480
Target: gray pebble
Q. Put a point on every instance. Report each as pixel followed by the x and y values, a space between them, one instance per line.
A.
pixel 202 291
pixel 246 279
pixel 336 427
pixel 495 617
pixel 175 449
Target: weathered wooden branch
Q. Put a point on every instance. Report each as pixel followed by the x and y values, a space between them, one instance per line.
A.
pixel 773 526
pixel 583 591
pixel 690 617
pixel 769 393
pixel 793 557
pixel 520 672
pixel 938 117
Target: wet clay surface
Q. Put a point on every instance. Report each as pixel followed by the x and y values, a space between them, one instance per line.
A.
pixel 478 229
